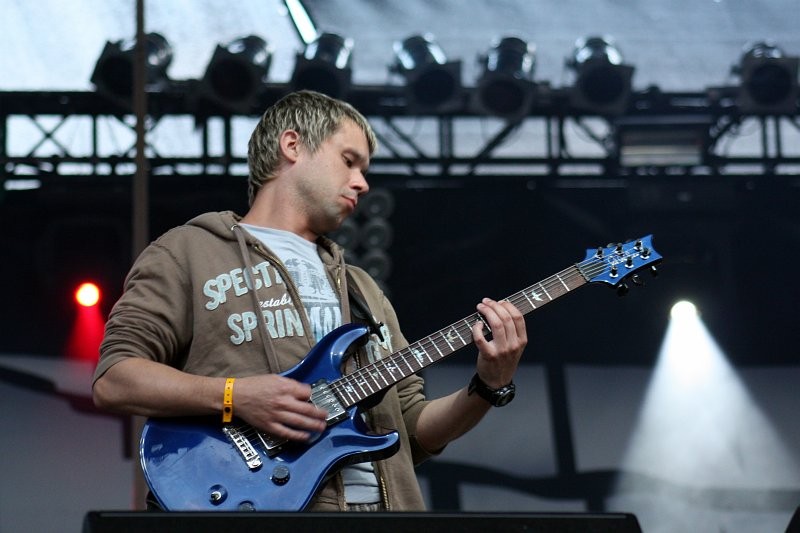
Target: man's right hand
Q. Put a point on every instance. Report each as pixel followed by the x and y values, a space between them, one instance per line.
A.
pixel 279 406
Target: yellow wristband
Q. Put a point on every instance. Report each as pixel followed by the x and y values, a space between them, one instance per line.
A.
pixel 227 401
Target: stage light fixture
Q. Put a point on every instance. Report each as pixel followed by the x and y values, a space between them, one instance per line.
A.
pixel 347 235
pixel 602 82
pixel 662 141
pixel 377 233
pixel 378 203
pixel 768 80
pixel 505 87
pixel 87 294
pixel 324 66
pixel 236 73
pixel 377 263
pixel 113 72
pixel 433 84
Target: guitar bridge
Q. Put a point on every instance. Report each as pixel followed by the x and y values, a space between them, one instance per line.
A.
pixel 246 449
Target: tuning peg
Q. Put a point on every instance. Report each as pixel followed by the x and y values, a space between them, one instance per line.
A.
pixel 623 289
pixel 654 271
pixel 639 282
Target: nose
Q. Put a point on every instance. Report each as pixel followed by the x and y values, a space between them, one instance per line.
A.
pixel 359 183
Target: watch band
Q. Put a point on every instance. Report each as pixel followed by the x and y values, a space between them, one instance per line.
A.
pixel 496 397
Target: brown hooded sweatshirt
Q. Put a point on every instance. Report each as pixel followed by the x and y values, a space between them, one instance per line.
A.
pixel 188 304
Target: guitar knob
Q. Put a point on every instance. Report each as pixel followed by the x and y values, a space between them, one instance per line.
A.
pixel 280 475
pixel 217 494
pixel 623 289
pixel 247 506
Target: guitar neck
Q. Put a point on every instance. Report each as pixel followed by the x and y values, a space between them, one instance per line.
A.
pixel 375 377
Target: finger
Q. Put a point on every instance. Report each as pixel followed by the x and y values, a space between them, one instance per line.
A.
pixel 477 336
pixel 282 431
pixel 498 318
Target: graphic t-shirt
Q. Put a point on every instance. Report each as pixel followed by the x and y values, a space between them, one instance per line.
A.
pixel 324 315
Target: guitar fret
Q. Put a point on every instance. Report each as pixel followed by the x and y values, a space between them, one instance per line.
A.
pixel 405 360
pixel 399 369
pixel 533 305
pixel 391 368
pixel 447 340
pixel 544 289
pixel 436 345
pixel 347 388
pixel 366 382
pixel 360 383
pixel 562 282
pixel 419 354
pixel 459 334
pixel 354 390
pixel 379 373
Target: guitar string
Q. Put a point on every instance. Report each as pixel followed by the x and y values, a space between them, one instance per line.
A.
pixel 583 271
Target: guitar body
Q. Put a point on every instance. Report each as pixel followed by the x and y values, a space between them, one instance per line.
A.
pixel 192 464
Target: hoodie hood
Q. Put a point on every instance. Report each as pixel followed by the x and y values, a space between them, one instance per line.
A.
pixel 221 225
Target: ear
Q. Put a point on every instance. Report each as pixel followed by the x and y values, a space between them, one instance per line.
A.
pixel 290 145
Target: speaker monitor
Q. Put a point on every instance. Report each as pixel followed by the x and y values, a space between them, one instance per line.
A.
pixel 199 522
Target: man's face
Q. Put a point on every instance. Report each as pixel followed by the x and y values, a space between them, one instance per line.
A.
pixel 331 180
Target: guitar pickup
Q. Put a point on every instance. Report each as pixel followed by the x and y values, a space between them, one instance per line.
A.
pixel 323 397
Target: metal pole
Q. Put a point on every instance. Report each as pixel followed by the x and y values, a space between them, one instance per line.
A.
pixel 140 192
pixel 141 210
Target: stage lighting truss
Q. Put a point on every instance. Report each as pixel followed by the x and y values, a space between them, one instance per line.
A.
pixel 432 83
pixel 236 73
pixel 325 66
pixel 768 80
pixel 563 130
pixel 506 88
pixel 602 82
pixel 113 72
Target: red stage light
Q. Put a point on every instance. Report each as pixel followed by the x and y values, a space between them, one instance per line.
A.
pixel 87 294
pixel 87 330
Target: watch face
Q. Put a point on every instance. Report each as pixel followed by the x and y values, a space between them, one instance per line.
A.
pixel 503 397
pixel 496 397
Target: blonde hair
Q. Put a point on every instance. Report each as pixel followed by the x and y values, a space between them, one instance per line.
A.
pixel 314 116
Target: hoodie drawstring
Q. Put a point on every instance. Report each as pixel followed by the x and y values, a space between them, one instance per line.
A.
pixel 269 349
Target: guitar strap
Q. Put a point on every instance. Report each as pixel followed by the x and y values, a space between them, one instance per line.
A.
pixel 359 308
pixel 360 312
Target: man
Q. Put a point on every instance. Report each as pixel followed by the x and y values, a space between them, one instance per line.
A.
pixel 214 309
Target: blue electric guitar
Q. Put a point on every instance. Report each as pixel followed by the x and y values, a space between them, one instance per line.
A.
pixel 200 464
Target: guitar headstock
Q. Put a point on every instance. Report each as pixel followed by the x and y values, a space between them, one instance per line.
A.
pixel 617 263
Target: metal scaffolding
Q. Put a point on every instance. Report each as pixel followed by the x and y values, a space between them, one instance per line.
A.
pixel 705 133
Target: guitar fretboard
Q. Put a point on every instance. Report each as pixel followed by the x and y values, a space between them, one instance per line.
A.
pixel 375 377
